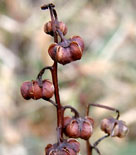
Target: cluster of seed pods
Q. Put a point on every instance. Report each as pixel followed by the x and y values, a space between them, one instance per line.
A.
pixel 67 147
pixel 31 89
pixel 64 52
pixel 67 51
pixel 80 127
pixel 113 127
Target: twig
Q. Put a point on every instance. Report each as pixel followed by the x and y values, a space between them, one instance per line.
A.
pixel 51 101
pixel 104 107
pixel 99 140
pixel 39 76
pixel 72 109
pixel 97 150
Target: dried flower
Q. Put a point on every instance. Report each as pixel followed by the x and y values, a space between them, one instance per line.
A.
pixel 48 28
pixel 115 128
pixel 31 89
pixel 67 51
pixel 78 127
pixel 67 147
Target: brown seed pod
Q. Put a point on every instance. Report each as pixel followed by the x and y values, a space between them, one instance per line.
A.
pixel 33 90
pixel 66 121
pixel 113 127
pixel 74 144
pixel 87 128
pixel 60 54
pixel 63 28
pixel 47 89
pixel 49 30
pixel 79 40
pixel 67 51
pixel 75 51
pixel 25 89
pixel 67 147
pixel 78 127
pixel 72 129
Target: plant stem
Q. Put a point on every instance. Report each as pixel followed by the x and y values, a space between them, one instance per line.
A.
pixel 51 101
pixel 89 148
pixel 72 109
pixel 100 139
pixel 57 98
pixel 61 35
pixel 39 76
pixel 104 107
pixel 53 69
pixel 55 83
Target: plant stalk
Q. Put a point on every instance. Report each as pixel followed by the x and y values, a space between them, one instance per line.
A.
pixel 55 83
pixel 89 148
pixel 57 99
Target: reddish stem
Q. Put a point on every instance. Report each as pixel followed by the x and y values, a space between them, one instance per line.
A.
pixel 89 148
pixel 55 83
pixel 53 70
pixel 57 98
pixel 72 110
pixel 104 107
pixel 39 76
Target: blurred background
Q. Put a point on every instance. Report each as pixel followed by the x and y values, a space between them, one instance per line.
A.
pixel 106 74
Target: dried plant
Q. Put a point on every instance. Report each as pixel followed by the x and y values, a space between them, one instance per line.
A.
pixel 65 51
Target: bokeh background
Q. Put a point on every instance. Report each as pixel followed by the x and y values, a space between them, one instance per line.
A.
pixel 106 74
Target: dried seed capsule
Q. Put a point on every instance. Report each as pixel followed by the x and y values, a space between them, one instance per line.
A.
pixel 47 89
pixel 79 40
pixel 67 120
pixel 67 147
pixel 115 128
pixel 72 129
pixel 75 51
pixel 122 129
pixel 87 128
pixel 33 90
pixel 67 51
pixel 78 127
pixel 49 30
pixel 25 89
pixel 74 144
pixel 63 28
pixel 60 54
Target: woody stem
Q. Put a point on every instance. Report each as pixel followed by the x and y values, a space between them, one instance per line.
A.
pixel 89 148
pixel 55 83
